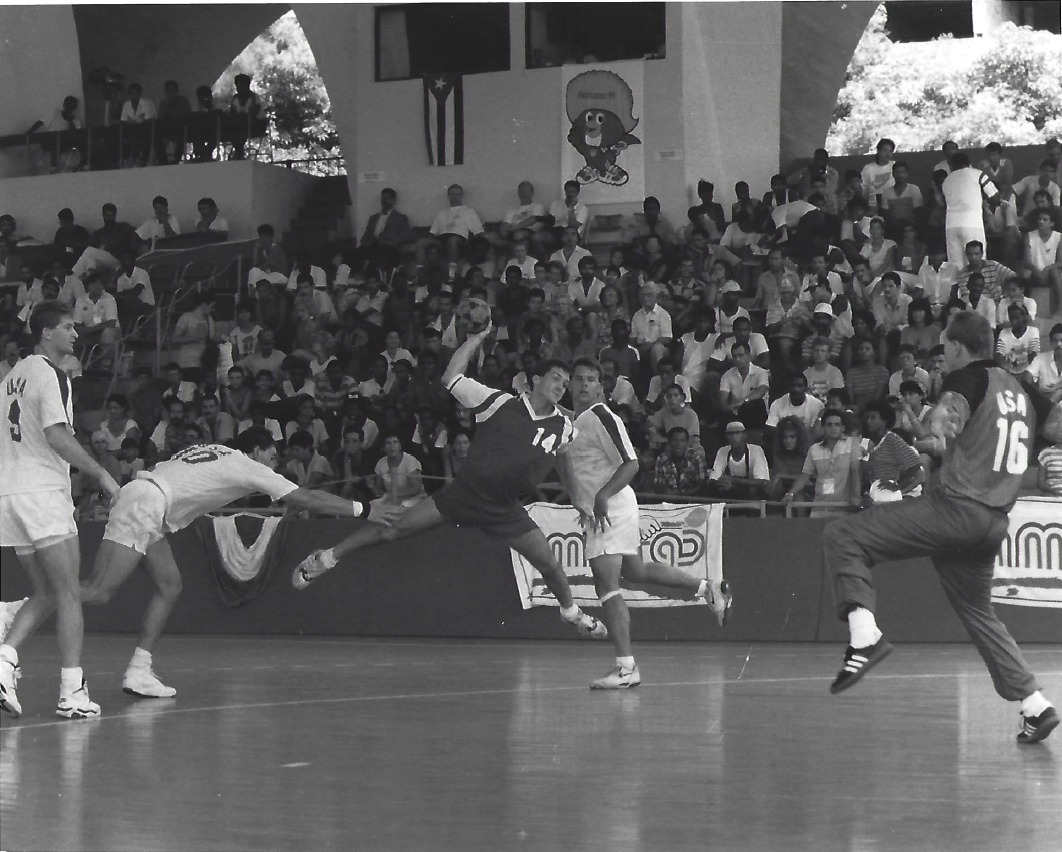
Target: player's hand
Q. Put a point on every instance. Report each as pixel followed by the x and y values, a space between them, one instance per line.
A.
pixel 601 518
pixel 586 518
pixel 109 489
pixel 386 513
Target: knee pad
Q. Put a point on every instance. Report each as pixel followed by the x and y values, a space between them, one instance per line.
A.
pixel 601 600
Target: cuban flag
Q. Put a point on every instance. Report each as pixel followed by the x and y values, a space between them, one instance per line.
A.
pixel 444 119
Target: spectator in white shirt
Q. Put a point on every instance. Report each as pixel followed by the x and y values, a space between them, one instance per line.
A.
pixel 1017 346
pixel 797 403
pixel 522 261
pixel 568 212
pixel 96 318
pixel 740 469
pixel 135 112
pixel 1027 187
pixel 162 224
pixel 965 191
pixel 949 149
pixel 744 387
pixel 877 174
pixel 936 277
pixel 526 222
pixel 1043 256
pixel 209 221
pixel 1014 294
pixel 1046 368
pixel 584 291
pixel 134 281
pixel 304 266
pixel 651 326
pixel 570 252
pixel 457 224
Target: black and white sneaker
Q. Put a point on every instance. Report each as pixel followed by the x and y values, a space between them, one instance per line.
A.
pixel 1036 728
pixel 857 662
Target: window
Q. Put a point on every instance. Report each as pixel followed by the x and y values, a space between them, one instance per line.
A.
pixel 441 38
pixel 560 33
pixel 921 21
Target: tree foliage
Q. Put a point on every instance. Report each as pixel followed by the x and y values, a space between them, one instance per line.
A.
pixel 1001 87
pixel 286 80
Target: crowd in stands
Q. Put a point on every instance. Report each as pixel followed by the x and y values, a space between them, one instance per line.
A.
pixel 786 349
pixel 151 134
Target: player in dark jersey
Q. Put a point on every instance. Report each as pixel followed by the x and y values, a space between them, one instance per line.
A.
pixel 516 445
pixel 986 420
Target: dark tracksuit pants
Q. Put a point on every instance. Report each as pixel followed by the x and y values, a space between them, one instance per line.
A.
pixel 962 538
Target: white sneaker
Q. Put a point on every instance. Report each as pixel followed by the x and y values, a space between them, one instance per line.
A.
pixel 77 705
pixel 142 682
pixel 7 615
pixel 618 678
pixel 587 625
pixel 308 570
pixel 9 675
pixel 721 600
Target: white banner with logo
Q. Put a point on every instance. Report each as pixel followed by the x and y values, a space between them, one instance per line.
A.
pixel 1029 566
pixel 687 536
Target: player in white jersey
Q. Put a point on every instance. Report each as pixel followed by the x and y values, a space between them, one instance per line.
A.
pixel 37 448
pixel 197 480
pixel 599 465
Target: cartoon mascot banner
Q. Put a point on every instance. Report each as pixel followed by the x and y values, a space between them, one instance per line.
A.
pixel 604 138
pixel 689 536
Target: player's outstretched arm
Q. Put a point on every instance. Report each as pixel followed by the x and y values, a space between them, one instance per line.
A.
pixel 329 504
pixel 62 440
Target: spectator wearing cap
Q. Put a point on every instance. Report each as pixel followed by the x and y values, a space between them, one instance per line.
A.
pixel 796 403
pixel 161 224
pixel 744 387
pixel 824 326
pixel 651 326
pixel 740 470
pixel 788 320
pixel 819 167
pixel 680 470
pixel 729 308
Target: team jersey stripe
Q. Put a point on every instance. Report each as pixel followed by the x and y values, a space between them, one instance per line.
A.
pixel 608 420
pixel 64 384
pixel 490 406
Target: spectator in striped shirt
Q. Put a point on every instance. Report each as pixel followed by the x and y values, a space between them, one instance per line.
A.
pixel 992 272
pixel 891 459
pixel 867 380
pixel 1050 478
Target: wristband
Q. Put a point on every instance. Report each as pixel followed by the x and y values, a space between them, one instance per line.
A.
pixel 359 509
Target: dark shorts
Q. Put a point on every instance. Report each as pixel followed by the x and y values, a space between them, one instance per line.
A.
pixel 463 506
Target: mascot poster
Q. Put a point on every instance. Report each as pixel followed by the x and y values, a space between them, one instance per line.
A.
pixel 604 135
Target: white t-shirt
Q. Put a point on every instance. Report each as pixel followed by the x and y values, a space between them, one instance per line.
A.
pixel 153 228
pixel 35 395
pixel 206 477
pixel 320 279
pixel 753 465
pixel 137 276
pixel 1042 252
pixel 406 468
pixel 522 212
pixel 1045 371
pixel 1028 186
pixel 1018 352
pixel 572 263
pixel 461 220
pixel 601 444
pixel 560 211
pixel 783 407
pixel 963 192
pixel 896 379
pixel 696 354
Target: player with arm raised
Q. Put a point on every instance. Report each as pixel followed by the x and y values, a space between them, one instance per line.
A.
pixel 987 422
pixel 197 480
pixel 517 441
pixel 597 469
pixel 37 448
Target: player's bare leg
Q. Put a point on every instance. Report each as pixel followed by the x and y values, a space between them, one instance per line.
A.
pixel 114 563
pixel 421 516
pixel 606 570
pixel 719 597
pixel 533 546
pixel 54 569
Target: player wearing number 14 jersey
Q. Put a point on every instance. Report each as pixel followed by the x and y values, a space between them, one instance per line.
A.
pixel 987 422
pixel 197 480
pixel 516 444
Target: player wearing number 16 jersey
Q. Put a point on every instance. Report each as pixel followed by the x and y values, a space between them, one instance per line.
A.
pixel 516 445
pixel 987 422
pixel 37 447
pixel 197 480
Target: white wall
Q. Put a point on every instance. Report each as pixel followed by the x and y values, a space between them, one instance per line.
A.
pixel 39 66
pixel 247 194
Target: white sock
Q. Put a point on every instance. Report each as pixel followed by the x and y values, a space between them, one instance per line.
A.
pixel 9 654
pixel 1034 705
pixel 625 663
pixel 863 627
pixel 569 613
pixel 70 680
pixel 702 589
pixel 328 558
pixel 141 659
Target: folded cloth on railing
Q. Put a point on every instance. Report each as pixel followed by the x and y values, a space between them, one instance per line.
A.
pixel 242 552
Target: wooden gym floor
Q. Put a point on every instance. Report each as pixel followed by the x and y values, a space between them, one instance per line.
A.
pixel 348 744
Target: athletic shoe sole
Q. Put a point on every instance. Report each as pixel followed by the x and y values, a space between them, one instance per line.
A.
pixel 1040 732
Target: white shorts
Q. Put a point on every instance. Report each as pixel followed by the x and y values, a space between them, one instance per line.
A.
pixel 38 519
pixel 623 537
pixel 137 516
